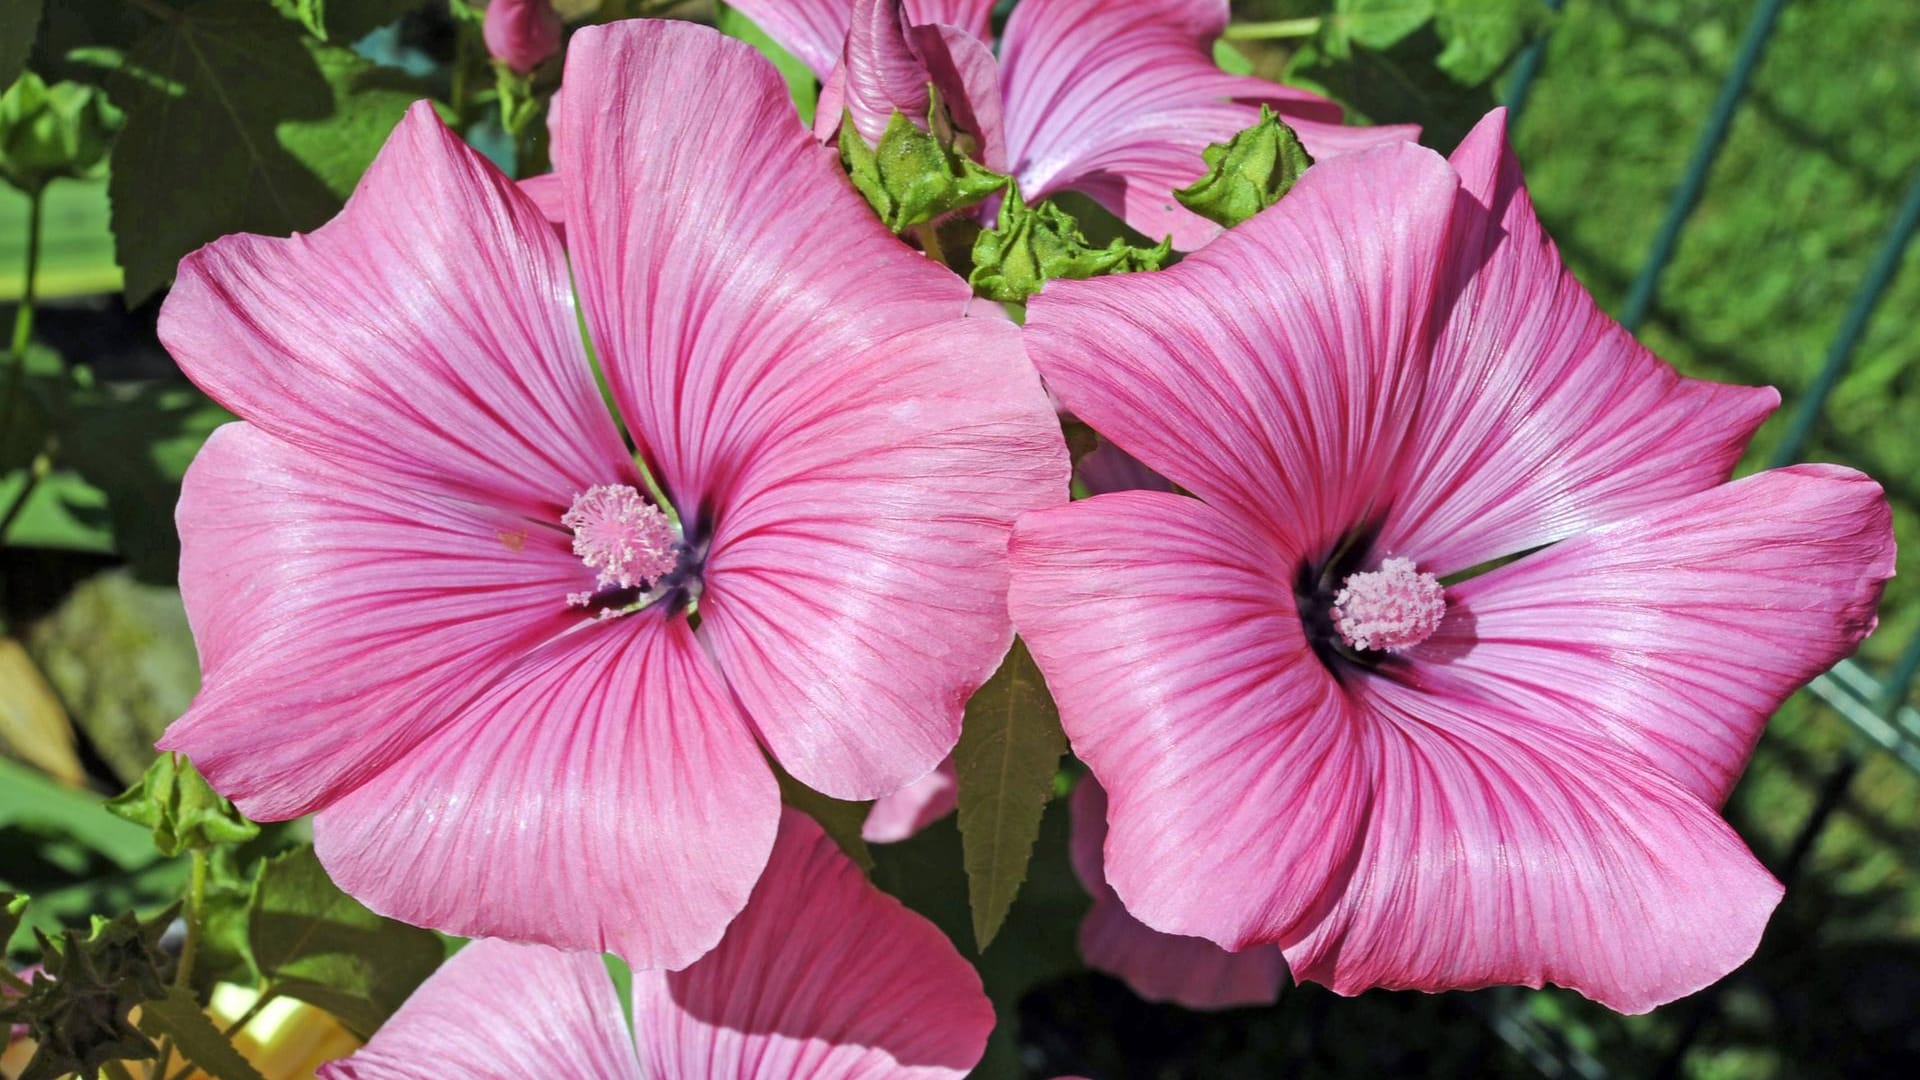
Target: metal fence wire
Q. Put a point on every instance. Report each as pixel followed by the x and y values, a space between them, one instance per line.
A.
pixel 1873 703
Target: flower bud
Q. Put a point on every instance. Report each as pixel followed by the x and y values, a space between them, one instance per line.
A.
pixel 522 33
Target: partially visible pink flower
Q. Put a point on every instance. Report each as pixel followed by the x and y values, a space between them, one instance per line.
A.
pixel 823 975
pixel 522 34
pixel 1112 98
pixel 1188 971
pixel 436 602
pixel 895 817
pixel 1383 382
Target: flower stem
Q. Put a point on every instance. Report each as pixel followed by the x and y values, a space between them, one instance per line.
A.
pixel 267 997
pixel 183 975
pixel 23 318
pixel 1277 29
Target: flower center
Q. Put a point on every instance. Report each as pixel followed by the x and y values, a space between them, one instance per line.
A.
pixel 1389 609
pixel 622 536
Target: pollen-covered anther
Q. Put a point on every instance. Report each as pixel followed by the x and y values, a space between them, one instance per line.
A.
pixel 1389 609
pixel 620 534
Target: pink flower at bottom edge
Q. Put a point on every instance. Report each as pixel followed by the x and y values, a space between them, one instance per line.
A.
pixel 822 975
pixel 1309 738
pixel 1188 971
pixel 437 605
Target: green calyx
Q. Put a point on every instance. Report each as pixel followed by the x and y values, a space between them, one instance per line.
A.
pixel 1032 245
pixel 181 808
pixel 49 132
pixel 76 1010
pixel 914 175
pixel 1247 173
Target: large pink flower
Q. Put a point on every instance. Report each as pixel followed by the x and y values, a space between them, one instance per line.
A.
pixel 433 601
pixel 822 976
pixel 1307 735
pixel 1113 98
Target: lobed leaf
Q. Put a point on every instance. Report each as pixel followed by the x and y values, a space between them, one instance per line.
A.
pixel 179 1017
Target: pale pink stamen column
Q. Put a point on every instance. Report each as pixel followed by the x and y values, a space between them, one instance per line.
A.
pixel 618 533
pixel 1392 608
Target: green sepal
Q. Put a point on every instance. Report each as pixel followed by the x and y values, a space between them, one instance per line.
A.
pixel 76 1010
pixel 913 176
pixel 1247 173
pixel 1032 245
pixel 49 132
pixel 181 808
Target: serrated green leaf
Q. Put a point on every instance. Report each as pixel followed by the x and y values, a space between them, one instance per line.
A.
pixel 1030 246
pixel 1010 744
pixel 840 819
pixel 179 1017
pixel 912 177
pixel 313 942
pixel 207 97
pixel 800 81
pixel 181 808
pixel 19 23
pixel 1247 173
pixel 1482 35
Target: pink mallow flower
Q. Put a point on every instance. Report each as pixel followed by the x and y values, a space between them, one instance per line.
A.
pixel 522 34
pixel 1188 971
pixel 822 976
pixel 437 606
pixel 1112 98
pixel 1313 729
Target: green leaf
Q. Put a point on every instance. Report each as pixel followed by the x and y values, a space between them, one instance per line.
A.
pixel 1481 35
pixel 179 1017
pixel 313 942
pixel 310 14
pixel 1031 246
pixel 50 132
pixel 800 82
pixel 1248 173
pixel 913 177
pixel 12 907
pixel 344 21
pixel 19 24
pixel 76 1011
pixel 841 819
pixel 368 100
pixel 181 808
pixel 225 955
pixel 1010 744
pixel 208 96
pixel 29 800
pixel 1375 24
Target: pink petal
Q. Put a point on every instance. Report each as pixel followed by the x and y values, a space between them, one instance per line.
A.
pixel 1168 635
pixel 815 30
pixel 606 796
pixel 1118 100
pixel 1681 630
pixel 823 975
pixel 427 332
pixel 1273 373
pixel 815 402
pixel 1188 971
pixel 500 1011
pixel 881 72
pixel 549 195
pixel 1504 847
pixel 965 71
pixel 914 807
pixel 342 617
pixel 1543 416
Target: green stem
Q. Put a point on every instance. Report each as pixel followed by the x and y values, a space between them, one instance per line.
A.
pixel 23 319
pixel 183 975
pixel 930 242
pixel 1270 31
